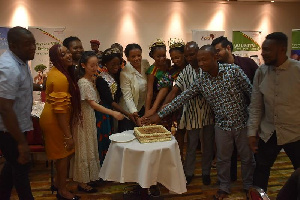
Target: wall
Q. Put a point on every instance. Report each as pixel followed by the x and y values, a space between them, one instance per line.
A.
pixel 143 21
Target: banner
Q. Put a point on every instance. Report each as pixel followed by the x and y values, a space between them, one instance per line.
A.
pixel 3 39
pixel 295 54
pixel 204 37
pixel 45 38
pixel 247 44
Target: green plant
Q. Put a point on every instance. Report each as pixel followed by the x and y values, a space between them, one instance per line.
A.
pixel 40 67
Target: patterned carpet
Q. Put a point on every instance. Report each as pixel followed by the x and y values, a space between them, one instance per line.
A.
pixel 40 182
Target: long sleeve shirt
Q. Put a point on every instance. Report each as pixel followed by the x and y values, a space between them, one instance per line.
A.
pixel 226 93
pixel 196 112
pixel 247 65
pixel 275 104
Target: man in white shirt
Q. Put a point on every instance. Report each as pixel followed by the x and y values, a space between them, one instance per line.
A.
pixel 275 108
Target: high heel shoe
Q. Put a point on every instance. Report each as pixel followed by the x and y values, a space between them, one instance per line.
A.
pixel 53 189
pixel 59 197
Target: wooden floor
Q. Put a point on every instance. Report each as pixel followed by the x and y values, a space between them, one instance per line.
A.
pixel 40 182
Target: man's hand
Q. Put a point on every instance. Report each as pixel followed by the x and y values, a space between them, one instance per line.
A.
pixel 253 144
pixel 24 153
pixel 153 119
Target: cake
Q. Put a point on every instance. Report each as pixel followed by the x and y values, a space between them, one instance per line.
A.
pixel 152 133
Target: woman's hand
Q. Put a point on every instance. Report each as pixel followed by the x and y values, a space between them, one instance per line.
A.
pixel 118 115
pixel 69 144
pixel 132 117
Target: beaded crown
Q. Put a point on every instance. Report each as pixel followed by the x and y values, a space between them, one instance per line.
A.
pixel 175 42
pixel 111 51
pixel 158 42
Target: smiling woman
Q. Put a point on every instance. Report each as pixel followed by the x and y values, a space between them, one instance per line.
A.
pixel 57 117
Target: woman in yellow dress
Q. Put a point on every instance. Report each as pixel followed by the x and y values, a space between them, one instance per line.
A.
pixel 60 114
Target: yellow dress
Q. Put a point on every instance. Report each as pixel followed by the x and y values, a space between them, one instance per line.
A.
pixel 57 101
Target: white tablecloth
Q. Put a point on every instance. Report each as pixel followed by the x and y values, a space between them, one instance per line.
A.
pixel 145 164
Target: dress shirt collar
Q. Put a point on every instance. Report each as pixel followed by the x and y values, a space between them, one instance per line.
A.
pixel 221 69
pixel 16 58
pixel 283 66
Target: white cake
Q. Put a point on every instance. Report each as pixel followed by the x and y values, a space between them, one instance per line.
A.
pixel 152 133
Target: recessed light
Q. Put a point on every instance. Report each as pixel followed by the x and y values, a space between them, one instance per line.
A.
pixel 272 1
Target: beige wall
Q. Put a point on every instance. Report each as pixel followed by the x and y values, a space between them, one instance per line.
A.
pixel 143 21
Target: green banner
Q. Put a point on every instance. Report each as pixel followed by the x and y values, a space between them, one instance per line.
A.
pixel 296 39
pixel 243 42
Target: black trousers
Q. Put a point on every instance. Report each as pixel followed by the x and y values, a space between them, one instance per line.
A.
pixel 266 156
pixel 291 189
pixel 13 173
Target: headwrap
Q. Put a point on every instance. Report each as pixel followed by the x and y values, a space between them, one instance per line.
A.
pixel 95 42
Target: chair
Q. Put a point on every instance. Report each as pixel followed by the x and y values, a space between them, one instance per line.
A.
pixel 256 193
pixel 35 140
pixel 36 143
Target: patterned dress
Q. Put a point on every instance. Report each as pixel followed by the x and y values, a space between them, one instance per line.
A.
pixel 108 90
pixel 86 163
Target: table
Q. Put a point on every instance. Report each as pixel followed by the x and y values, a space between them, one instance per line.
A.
pixel 145 164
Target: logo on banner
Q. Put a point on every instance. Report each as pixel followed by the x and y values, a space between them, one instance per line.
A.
pixel 243 42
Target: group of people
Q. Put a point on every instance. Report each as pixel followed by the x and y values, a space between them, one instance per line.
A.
pixel 236 107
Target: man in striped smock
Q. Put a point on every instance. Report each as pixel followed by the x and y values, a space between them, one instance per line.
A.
pixel 197 117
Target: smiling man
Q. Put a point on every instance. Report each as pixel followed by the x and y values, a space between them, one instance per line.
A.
pixel 225 88
pixel 275 108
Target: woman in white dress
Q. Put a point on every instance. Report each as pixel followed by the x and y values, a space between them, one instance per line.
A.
pixel 86 164
pixel 133 83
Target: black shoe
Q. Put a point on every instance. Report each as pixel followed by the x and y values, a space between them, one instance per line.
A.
pixel 53 189
pixel 206 179
pixel 87 190
pixel 96 183
pixel 59 197
pixel 189 179
pixel 154 190
pixel 233 178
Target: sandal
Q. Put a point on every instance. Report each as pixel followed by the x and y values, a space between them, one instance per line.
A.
pixel 220 195
pixel 87 189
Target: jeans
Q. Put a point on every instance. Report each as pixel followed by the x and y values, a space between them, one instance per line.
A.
pixel 266 156
pixel 225 141
pixel 13 173
pixel 208 150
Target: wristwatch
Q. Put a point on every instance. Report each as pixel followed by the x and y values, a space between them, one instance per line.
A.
pixel 41 86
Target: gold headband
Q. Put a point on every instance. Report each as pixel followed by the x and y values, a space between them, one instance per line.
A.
pixel 175 42
pixel 158 42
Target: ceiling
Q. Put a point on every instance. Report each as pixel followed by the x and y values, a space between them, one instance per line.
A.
pixel 228 0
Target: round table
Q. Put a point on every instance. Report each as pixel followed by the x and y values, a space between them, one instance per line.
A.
pixel 145 164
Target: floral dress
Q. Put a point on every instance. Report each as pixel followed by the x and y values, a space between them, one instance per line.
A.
pixel 86 162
